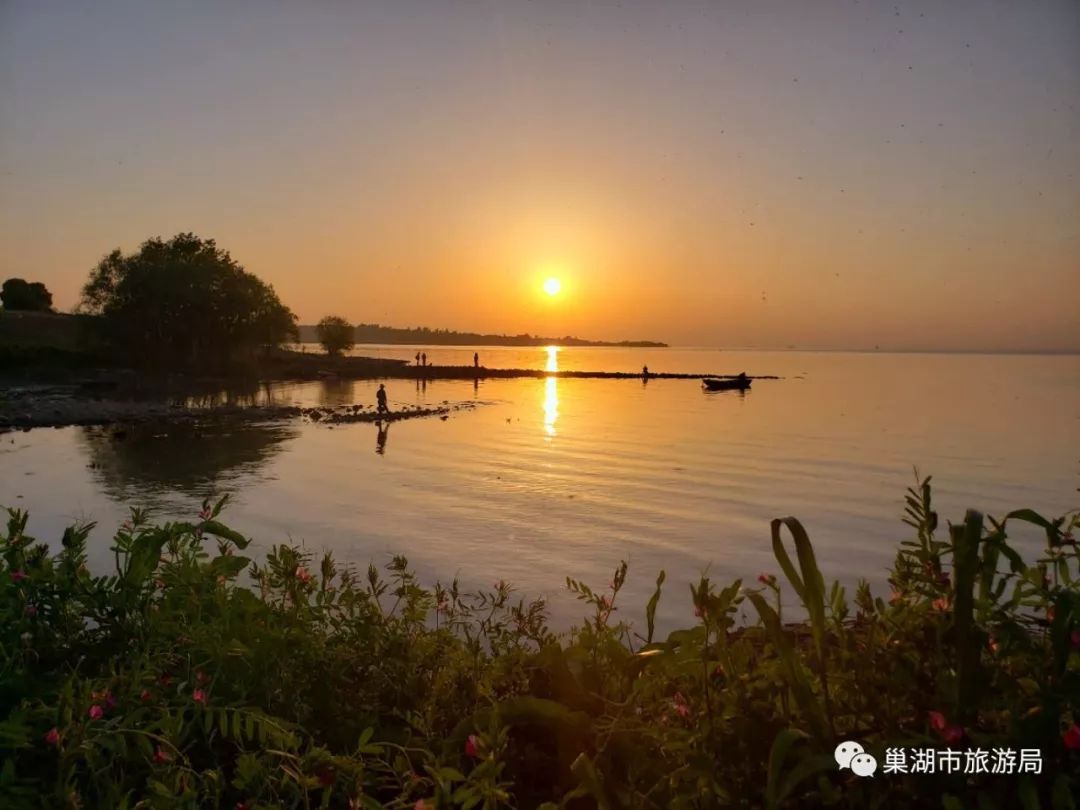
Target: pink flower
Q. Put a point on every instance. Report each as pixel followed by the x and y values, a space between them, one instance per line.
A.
pixel 941 604
pixel 698 611
pixel 952 734
pixel 205 513
pixel 96 712
pixel 605 602
pixel 145 695
pixel 18 575
pixel 52 736
pixel 766 579
pixel 199 696
pixel 994 646
pixel 679 704
pixel 420 805
pixel 472 746
pixel 937 721
pixel 1071 738
pixel 303 574
pixel 161 756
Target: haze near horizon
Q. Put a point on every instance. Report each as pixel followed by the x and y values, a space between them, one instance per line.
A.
pixel 836 174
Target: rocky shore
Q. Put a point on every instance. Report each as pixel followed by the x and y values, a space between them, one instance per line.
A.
pixel 27 409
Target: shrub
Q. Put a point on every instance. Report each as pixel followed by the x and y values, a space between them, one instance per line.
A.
pixel 335 334
pixel 185 303
pixel 19 294
pixel 195 676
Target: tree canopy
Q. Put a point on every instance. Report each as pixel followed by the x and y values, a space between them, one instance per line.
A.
pixel 185 303
pixel 336 335
pixel 27 296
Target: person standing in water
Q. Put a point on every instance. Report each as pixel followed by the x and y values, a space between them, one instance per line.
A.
pixel 423 358
pixel 476 359
pixel 380 398
pixel 418 358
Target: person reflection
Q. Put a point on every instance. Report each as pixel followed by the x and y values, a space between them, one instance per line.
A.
pixel 380 439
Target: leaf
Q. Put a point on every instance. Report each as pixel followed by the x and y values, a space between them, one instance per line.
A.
pixel 224 532
pixel 650 608
pixel 228 566
pixel 781 743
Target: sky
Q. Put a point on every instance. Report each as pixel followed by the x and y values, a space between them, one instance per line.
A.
pixel 724 173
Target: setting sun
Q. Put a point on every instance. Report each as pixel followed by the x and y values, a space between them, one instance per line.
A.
pixel 552 286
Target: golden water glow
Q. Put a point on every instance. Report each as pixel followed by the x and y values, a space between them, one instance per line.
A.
pixel 552 286
pixel 551 392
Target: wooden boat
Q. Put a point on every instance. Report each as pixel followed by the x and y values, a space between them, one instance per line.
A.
pixel 734 384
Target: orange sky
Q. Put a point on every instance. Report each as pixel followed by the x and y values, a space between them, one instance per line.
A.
pixel 701 173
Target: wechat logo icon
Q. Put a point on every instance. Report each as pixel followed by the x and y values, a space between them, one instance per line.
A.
pixel 850 754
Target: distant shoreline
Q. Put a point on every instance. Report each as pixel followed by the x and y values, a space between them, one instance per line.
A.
pixel 373 333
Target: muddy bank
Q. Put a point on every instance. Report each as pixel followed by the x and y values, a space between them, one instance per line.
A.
pixel 23 410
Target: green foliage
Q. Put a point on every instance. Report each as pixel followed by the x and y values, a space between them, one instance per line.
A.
pixel 194 676
pixel 19 294
pixel 185 303
pixel 335 334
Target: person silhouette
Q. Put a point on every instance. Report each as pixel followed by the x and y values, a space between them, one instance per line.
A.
pixel 380 398
pixel 418 358
pixel 423 358
pixel 476 359
pixel 645 372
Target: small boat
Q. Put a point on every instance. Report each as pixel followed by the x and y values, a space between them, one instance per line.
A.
pixel 734 384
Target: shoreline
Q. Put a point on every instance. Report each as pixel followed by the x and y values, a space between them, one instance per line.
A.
pixel 68 411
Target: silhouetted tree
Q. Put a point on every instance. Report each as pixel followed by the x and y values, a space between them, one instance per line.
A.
pixel 19 294
pixel 336 335
pixel 186 303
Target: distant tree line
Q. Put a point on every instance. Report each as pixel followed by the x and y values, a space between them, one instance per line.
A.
pixel 420 335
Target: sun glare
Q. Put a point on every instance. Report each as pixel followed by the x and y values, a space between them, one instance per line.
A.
pixel 552 286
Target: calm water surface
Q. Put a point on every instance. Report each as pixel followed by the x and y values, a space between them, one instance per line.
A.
pixel 566 477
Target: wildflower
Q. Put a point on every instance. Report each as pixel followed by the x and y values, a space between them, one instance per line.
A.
pixel 994 646
pixel 205 513
pixel 698 611
pixel 420 805
pixel 941 604
pixel 52 736
pixel 303 574
pixel 952 734
pixel 1050 613
pixel 1071 738
pixel 161 756
pixel 18 575
pixel 472 746
pixel 605 602
pixel 95 712
pixel 199 696
pixel 145 695
pixel 767 579
pixel 679 704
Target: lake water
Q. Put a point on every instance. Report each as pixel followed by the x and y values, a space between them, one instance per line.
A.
pixel 566 477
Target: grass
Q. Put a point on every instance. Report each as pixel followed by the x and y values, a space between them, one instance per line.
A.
pixel 193 676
